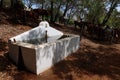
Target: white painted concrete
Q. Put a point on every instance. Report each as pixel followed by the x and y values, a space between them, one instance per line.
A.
pixel 39 33
pixel 38 58
pixel 49 54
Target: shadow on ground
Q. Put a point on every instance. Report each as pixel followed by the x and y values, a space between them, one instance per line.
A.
pixel 6 64
pixel 101 61
pixel 86 61
pixel 3 45
pixel 3 60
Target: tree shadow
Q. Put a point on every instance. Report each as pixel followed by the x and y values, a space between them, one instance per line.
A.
pixel 4 59
pixel 7 66
pixel 5 62
pixel 3 45
pixel 101 61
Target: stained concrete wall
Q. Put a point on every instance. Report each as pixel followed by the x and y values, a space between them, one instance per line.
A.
pixel 28 53
pixel 51 53
pixel 38 58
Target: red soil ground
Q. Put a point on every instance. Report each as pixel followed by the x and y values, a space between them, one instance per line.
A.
pixel 92 61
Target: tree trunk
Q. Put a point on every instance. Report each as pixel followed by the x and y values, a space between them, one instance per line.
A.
pixel 1 3
pixel 42 4
pixel 66 8
pixel 51 18
pixel 13 2
pixel 43 16
pixel 57 14
pixel 112 7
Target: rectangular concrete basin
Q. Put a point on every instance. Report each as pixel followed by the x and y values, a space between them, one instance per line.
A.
pixel 39 56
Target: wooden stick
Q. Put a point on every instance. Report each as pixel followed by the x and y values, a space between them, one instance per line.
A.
pixel 46 36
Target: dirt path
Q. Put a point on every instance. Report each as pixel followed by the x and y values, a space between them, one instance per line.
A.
pixel 93 61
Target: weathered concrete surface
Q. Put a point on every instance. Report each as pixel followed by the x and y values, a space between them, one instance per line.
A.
pixel 39 57
pixel 39 33
pixel 51 53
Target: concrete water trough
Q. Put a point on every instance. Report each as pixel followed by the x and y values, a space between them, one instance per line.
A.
pixel 41 47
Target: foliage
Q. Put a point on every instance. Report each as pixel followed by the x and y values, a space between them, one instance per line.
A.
pixel 95 11
pixel 114 20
